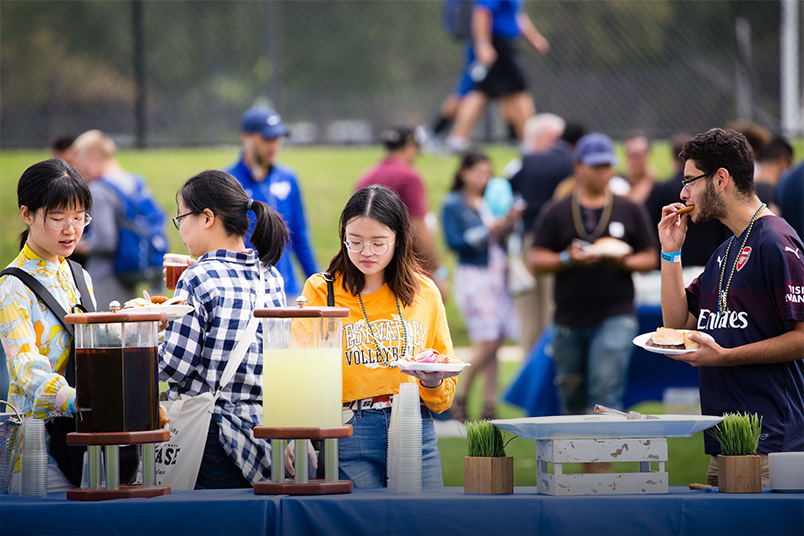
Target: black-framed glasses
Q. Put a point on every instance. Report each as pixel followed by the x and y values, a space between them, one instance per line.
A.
pixel 378 247
pixel 686 182
pixel 177 219
pixel 78 223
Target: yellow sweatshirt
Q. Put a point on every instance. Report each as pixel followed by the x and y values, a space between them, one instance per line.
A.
pixel 365 375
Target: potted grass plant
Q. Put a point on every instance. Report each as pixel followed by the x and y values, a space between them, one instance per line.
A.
pixel 486 468
pixel 739 468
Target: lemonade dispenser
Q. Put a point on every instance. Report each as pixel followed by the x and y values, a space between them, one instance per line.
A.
pixel 302 393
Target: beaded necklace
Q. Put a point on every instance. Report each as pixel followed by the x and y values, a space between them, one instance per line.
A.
pixel 382 351
pixel 722 294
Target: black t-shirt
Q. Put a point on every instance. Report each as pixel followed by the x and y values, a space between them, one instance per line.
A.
pixel 538 177
pixel 587 295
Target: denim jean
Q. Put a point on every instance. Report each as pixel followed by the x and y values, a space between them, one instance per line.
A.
pixel 592 363
pixel 363 456
pixel 218 470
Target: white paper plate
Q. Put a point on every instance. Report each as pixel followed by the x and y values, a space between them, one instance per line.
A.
pixel 603 426
pixel 172 311
pixel 432 367
pixel 642 342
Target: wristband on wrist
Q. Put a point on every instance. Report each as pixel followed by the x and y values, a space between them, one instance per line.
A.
pixel 565 258
pixel 675 256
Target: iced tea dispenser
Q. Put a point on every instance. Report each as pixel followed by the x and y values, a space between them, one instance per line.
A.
pixel 116 371
pixel 116 368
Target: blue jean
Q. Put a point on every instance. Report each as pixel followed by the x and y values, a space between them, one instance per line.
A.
pixel 218 470
pixel 362 458
pixel 592 363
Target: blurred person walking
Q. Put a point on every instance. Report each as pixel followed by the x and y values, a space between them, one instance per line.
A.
pixel 128 223
pixel 790 197
pixel 497 26
pixel 547 161
pixel 639 174
pixel 748 299
pixel 595 319
pixel 396 172
pixel 266 180
pixel 776 158
pixel 480 281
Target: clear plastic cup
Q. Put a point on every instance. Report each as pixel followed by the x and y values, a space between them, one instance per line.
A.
pixel 175 265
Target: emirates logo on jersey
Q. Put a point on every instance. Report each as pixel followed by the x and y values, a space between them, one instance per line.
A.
pixel 743 258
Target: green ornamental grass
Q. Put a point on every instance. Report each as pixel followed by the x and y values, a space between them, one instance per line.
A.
pixel 483 439
pixel 738 433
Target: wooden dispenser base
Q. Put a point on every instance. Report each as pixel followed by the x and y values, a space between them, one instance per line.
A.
pixel 314 486
pixel 116 439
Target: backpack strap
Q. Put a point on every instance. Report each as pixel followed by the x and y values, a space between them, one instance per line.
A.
pixel 330 288
pixel 81 284
pixel 42 293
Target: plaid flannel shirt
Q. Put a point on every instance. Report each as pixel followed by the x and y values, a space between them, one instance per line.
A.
pixel 221 287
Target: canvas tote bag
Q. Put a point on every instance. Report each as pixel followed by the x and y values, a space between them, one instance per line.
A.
pixel 177 460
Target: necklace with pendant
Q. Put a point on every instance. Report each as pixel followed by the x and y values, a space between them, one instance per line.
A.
pixel 723 294
pixel 382 351
pixel 577 219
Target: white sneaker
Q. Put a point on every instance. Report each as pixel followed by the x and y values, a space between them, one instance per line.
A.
pixel 456 144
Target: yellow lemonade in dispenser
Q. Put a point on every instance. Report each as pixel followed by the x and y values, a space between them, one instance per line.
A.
pixel 302 387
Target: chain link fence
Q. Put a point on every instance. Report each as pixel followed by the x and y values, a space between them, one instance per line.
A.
pixel 181 73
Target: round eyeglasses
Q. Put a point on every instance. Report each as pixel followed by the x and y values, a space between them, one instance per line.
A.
pixel 378 247
pixel 78 223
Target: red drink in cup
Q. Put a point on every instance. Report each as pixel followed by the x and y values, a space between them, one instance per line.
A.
pixel 175 265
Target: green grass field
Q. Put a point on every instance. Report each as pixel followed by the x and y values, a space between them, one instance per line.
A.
pixel 327 177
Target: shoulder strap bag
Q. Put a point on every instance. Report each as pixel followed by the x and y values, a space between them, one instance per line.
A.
pixel 179 459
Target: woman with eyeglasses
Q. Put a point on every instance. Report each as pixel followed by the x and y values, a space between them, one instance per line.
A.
pixel 395 311
pixel 54 203
pixel 221 286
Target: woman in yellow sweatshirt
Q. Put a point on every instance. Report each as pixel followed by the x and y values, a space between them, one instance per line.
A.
pixel 395 311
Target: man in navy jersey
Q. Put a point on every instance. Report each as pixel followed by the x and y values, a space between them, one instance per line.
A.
pixel 750 297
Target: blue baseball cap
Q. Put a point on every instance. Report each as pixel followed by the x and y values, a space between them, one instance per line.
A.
pixel 595 149
pixel 264 121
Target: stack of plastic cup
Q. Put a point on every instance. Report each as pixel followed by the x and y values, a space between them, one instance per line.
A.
pixel 34 459
pixel 407 450
pixel 391 451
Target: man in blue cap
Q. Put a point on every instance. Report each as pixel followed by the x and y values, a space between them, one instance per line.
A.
pixel 275 184
pixel 593 240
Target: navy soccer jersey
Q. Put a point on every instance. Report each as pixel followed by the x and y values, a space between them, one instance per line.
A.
pixel 765 300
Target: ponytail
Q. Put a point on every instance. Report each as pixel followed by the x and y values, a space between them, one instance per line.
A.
pixel 270 234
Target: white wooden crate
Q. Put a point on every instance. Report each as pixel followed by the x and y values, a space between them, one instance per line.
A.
pixel 643 450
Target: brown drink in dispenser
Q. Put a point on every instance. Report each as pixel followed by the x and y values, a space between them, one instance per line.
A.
pixel 116 365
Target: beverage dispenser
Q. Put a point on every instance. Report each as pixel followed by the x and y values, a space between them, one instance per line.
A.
pixel 302 393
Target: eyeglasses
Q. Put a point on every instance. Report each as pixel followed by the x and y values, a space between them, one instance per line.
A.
pixel 686 182
pixel 177 219
pixel 78 223
pixel 377 247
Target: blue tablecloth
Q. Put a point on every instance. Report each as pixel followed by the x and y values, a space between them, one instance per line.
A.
pixel 441 512
pixel 197 513
pixel 648 375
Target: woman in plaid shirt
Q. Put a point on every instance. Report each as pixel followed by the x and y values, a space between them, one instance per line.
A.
pixel 212 221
